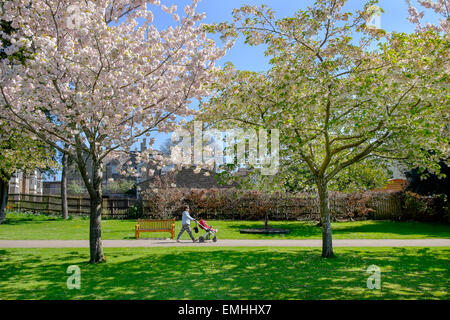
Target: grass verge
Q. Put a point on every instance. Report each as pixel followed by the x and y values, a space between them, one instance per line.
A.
pixel 226 273
pixel 20 226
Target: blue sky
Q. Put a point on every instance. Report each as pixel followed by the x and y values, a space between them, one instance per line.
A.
pixel 245 57
pixel 252 58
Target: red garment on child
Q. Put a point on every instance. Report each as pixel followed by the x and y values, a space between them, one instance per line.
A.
pixel 205 225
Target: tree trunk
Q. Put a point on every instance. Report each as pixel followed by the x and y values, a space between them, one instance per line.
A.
pixel 3 198
pixel 327 243
pixel 266 221
pixel 95 232
pixel 65 209
pixel 448 208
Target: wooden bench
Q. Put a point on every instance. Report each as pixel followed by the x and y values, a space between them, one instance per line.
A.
pixel 145 225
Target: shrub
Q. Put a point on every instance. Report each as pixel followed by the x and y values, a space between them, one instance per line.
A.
pixel 351 205
pixel 75 189
pixel 133 212
pixel 234 204
pixel 119 186
pixel 424 208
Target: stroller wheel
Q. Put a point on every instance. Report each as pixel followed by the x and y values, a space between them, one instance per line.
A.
pixel 215 239
pixel 201 239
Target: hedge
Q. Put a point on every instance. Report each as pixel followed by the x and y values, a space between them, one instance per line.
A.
pixel 234 204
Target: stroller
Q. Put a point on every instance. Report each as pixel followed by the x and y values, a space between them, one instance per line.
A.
pixel 210 231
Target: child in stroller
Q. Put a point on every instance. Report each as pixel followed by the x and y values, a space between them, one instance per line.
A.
pixel 210 231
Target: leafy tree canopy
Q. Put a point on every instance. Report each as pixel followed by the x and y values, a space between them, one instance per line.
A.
pixel 339 92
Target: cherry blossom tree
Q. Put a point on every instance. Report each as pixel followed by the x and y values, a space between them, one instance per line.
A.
pixel 340 91
pixel 18 149
pixel 439 7
pixel 102 76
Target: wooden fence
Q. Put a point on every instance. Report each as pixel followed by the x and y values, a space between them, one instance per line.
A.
pixel 114 208
pixel 386 207
pixel 306 207
pixel 229 205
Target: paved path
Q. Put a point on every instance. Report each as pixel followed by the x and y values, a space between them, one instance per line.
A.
pixel 227 243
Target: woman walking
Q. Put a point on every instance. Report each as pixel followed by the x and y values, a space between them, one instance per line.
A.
pixel 185 224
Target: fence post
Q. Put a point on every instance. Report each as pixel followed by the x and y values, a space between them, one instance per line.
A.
pixel 110 202
pixel 48 205
pixel 374 203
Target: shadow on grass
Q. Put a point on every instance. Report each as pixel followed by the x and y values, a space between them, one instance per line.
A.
pixel 225 274
pixel 342 230
pixel 297 229
pixel 429 230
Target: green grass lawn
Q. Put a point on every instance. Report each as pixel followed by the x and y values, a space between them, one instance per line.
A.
pixel 226 273
pixel 19 226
